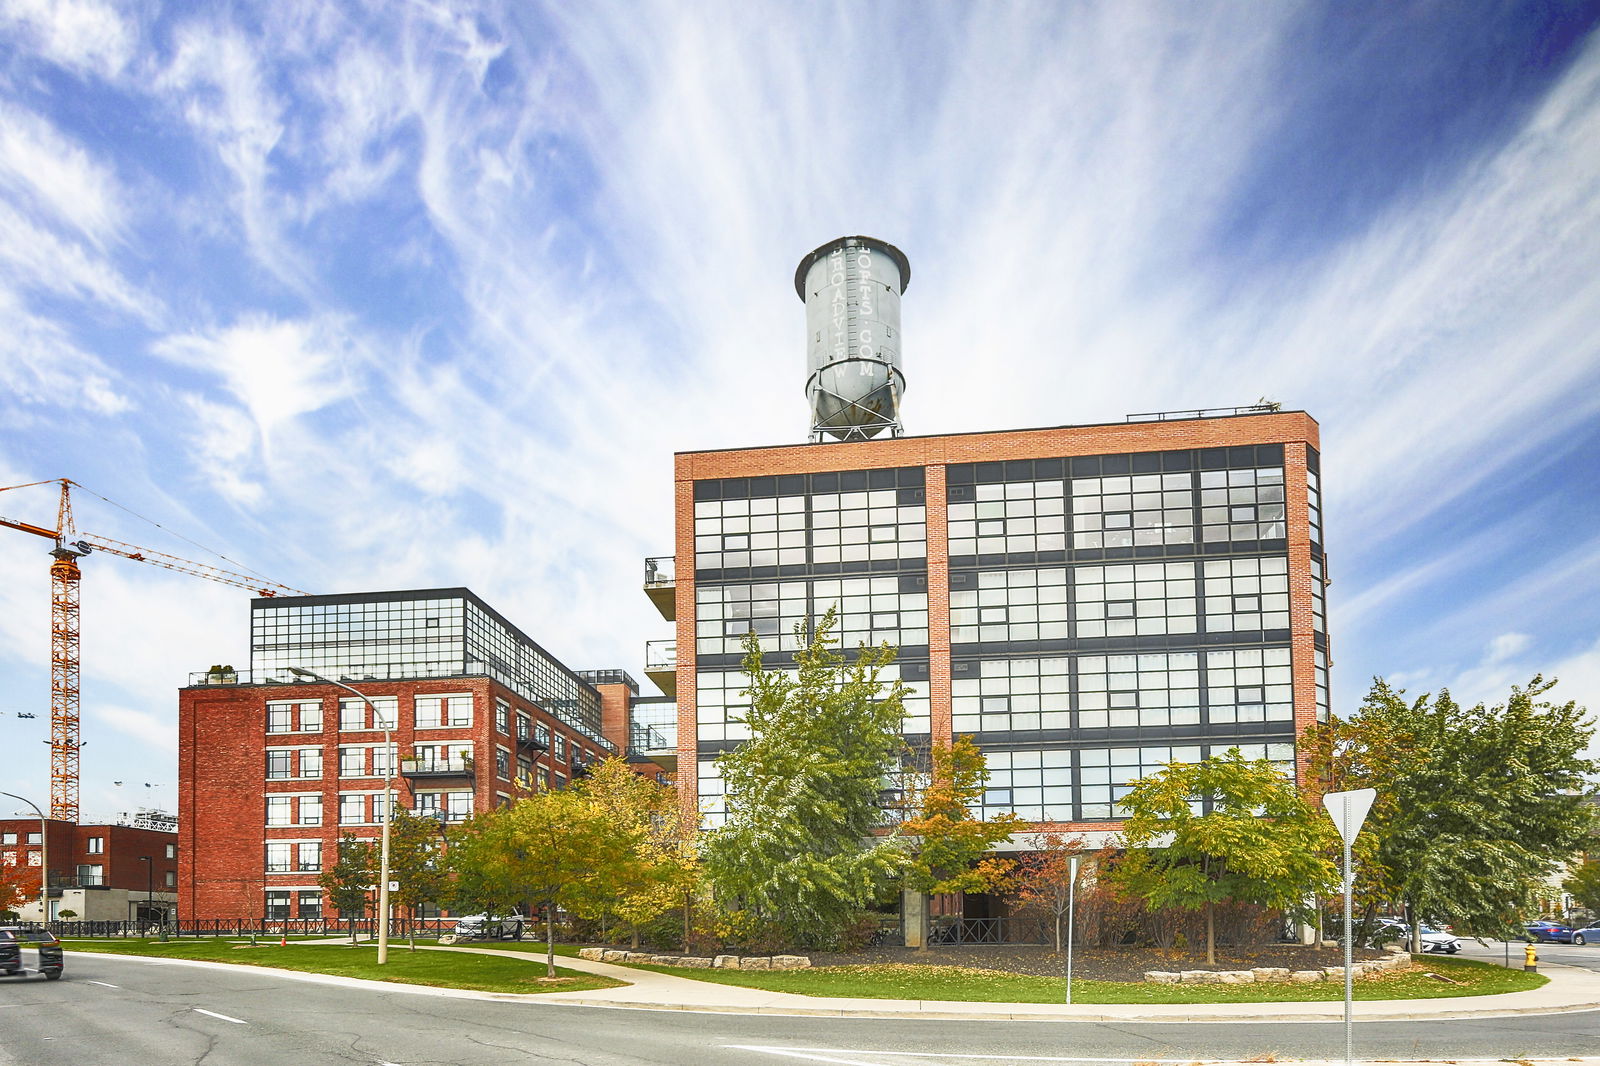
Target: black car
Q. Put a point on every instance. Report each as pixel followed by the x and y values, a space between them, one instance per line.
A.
pixel 13 940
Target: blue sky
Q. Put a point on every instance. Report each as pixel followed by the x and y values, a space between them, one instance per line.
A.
pixel 397 295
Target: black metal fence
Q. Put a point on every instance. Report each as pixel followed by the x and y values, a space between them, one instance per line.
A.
pixel 991 931
pixel 262 927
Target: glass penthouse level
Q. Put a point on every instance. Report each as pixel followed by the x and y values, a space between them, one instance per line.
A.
pixel 387 636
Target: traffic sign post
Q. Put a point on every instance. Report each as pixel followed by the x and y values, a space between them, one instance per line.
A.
pixel 1348 810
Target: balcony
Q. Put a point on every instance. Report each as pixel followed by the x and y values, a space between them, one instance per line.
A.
pixel 661 664
pixel 434 769
pixel 661 585
pixel 656 743
pixel 531 742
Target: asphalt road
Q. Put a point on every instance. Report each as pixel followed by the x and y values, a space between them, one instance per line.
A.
pixel 125 1010
pixel 1585 955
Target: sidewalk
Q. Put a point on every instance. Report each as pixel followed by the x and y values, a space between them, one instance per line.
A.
pixel 1570 989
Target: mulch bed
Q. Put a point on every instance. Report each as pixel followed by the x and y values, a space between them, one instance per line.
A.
pixel 1098 964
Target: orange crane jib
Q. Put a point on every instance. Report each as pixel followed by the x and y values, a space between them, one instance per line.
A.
pixel 70 546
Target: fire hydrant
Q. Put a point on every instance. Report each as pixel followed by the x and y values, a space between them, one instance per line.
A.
pixel 1530 959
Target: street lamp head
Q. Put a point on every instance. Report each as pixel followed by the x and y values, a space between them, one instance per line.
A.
pixel 300 671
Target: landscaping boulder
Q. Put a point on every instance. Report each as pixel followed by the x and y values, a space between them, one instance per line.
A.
pixel 592 954
pixel 755 962
pixel 1161 977
pixel 613 955
pixel 791 962
pixel 1271 973
pixel 725 962
pixel 1198 977
pixel 1306 976
pixel 665 960
pixel 637 956
pixel 1333 973
pixel 695 962
pixel 1235 977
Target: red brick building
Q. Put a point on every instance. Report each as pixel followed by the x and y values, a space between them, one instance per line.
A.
pixel 275 768
pixel 1088 602
pixel 102 873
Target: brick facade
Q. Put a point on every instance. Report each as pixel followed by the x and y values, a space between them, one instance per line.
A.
pixel 222 760
pixel 1295 431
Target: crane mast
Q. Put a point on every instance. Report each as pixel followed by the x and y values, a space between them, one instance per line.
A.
pixel 64 633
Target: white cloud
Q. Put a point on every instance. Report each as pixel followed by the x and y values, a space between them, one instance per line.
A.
pixel 276 369
pixel 59 175
pixel 82 35
pixel 156 731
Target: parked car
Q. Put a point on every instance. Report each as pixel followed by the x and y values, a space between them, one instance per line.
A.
pixel 1588 934
pixel 1438 940
pixel 1542 932
pixel 13 940
pixel 489 927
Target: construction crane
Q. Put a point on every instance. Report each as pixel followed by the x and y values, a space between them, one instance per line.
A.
pixel 70 546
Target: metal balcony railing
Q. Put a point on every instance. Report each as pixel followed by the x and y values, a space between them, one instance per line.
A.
pixel 660 570
pixel 436 767
pixel 660 655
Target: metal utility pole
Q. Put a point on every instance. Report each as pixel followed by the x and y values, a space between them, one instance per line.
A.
pixel 1348 810
pixel 44 857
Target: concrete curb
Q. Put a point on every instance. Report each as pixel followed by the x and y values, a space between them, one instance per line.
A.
pixel 1571 990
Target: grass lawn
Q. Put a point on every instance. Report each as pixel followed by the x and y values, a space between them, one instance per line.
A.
pixel 971 985
pixel 443 969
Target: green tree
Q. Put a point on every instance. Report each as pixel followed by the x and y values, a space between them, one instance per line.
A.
pixel 554 849
pixel 1484 803
pixel 798 852
pixel 950 846
pixel 415 864
pixel 1584 885
pixel 352 875
pixel 1225 828
pixel 660 869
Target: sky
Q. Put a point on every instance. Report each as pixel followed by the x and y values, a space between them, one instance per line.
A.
pixel 397 295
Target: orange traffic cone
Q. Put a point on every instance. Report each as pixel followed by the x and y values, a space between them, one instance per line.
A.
pixel 285 941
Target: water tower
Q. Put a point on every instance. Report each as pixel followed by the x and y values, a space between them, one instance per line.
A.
pixel 851 288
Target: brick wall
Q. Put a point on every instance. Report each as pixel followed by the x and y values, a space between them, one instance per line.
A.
pixel 1295 430
pixel 222 743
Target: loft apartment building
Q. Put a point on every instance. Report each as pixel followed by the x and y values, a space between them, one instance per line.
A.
pixel 274 768
pixel 105 872
pixel 1087 602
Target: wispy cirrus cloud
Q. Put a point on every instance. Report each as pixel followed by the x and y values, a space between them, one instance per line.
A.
pixel 405 295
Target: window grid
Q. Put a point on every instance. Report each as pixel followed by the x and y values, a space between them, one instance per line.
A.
pixel 1015 694
pixel 1151 689
pixel 1242 505
pixel 796 530
pixel 1132 510
pixel 871 610
pixel 1247 594
pixel 1249 685
pixel 720 706
pixel 1134 599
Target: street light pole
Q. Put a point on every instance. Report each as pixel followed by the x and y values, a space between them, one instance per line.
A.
pixel 44 857
pixel 388 805
pixel 149 885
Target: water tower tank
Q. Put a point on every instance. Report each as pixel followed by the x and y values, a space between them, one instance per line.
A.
pixel 851 288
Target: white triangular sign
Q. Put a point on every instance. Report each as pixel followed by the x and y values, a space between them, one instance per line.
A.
pixel 1349 809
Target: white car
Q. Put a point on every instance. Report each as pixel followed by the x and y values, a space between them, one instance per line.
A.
pixel 489 927
pixel 1432 939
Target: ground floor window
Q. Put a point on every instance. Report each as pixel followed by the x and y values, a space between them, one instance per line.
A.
pixel 311 905
pixel 277 905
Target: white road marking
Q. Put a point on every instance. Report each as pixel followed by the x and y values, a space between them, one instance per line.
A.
pixel 827 1055
pixel 102 984
pixel 224 1017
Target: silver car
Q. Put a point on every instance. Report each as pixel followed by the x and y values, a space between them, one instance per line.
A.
pixel 489 927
